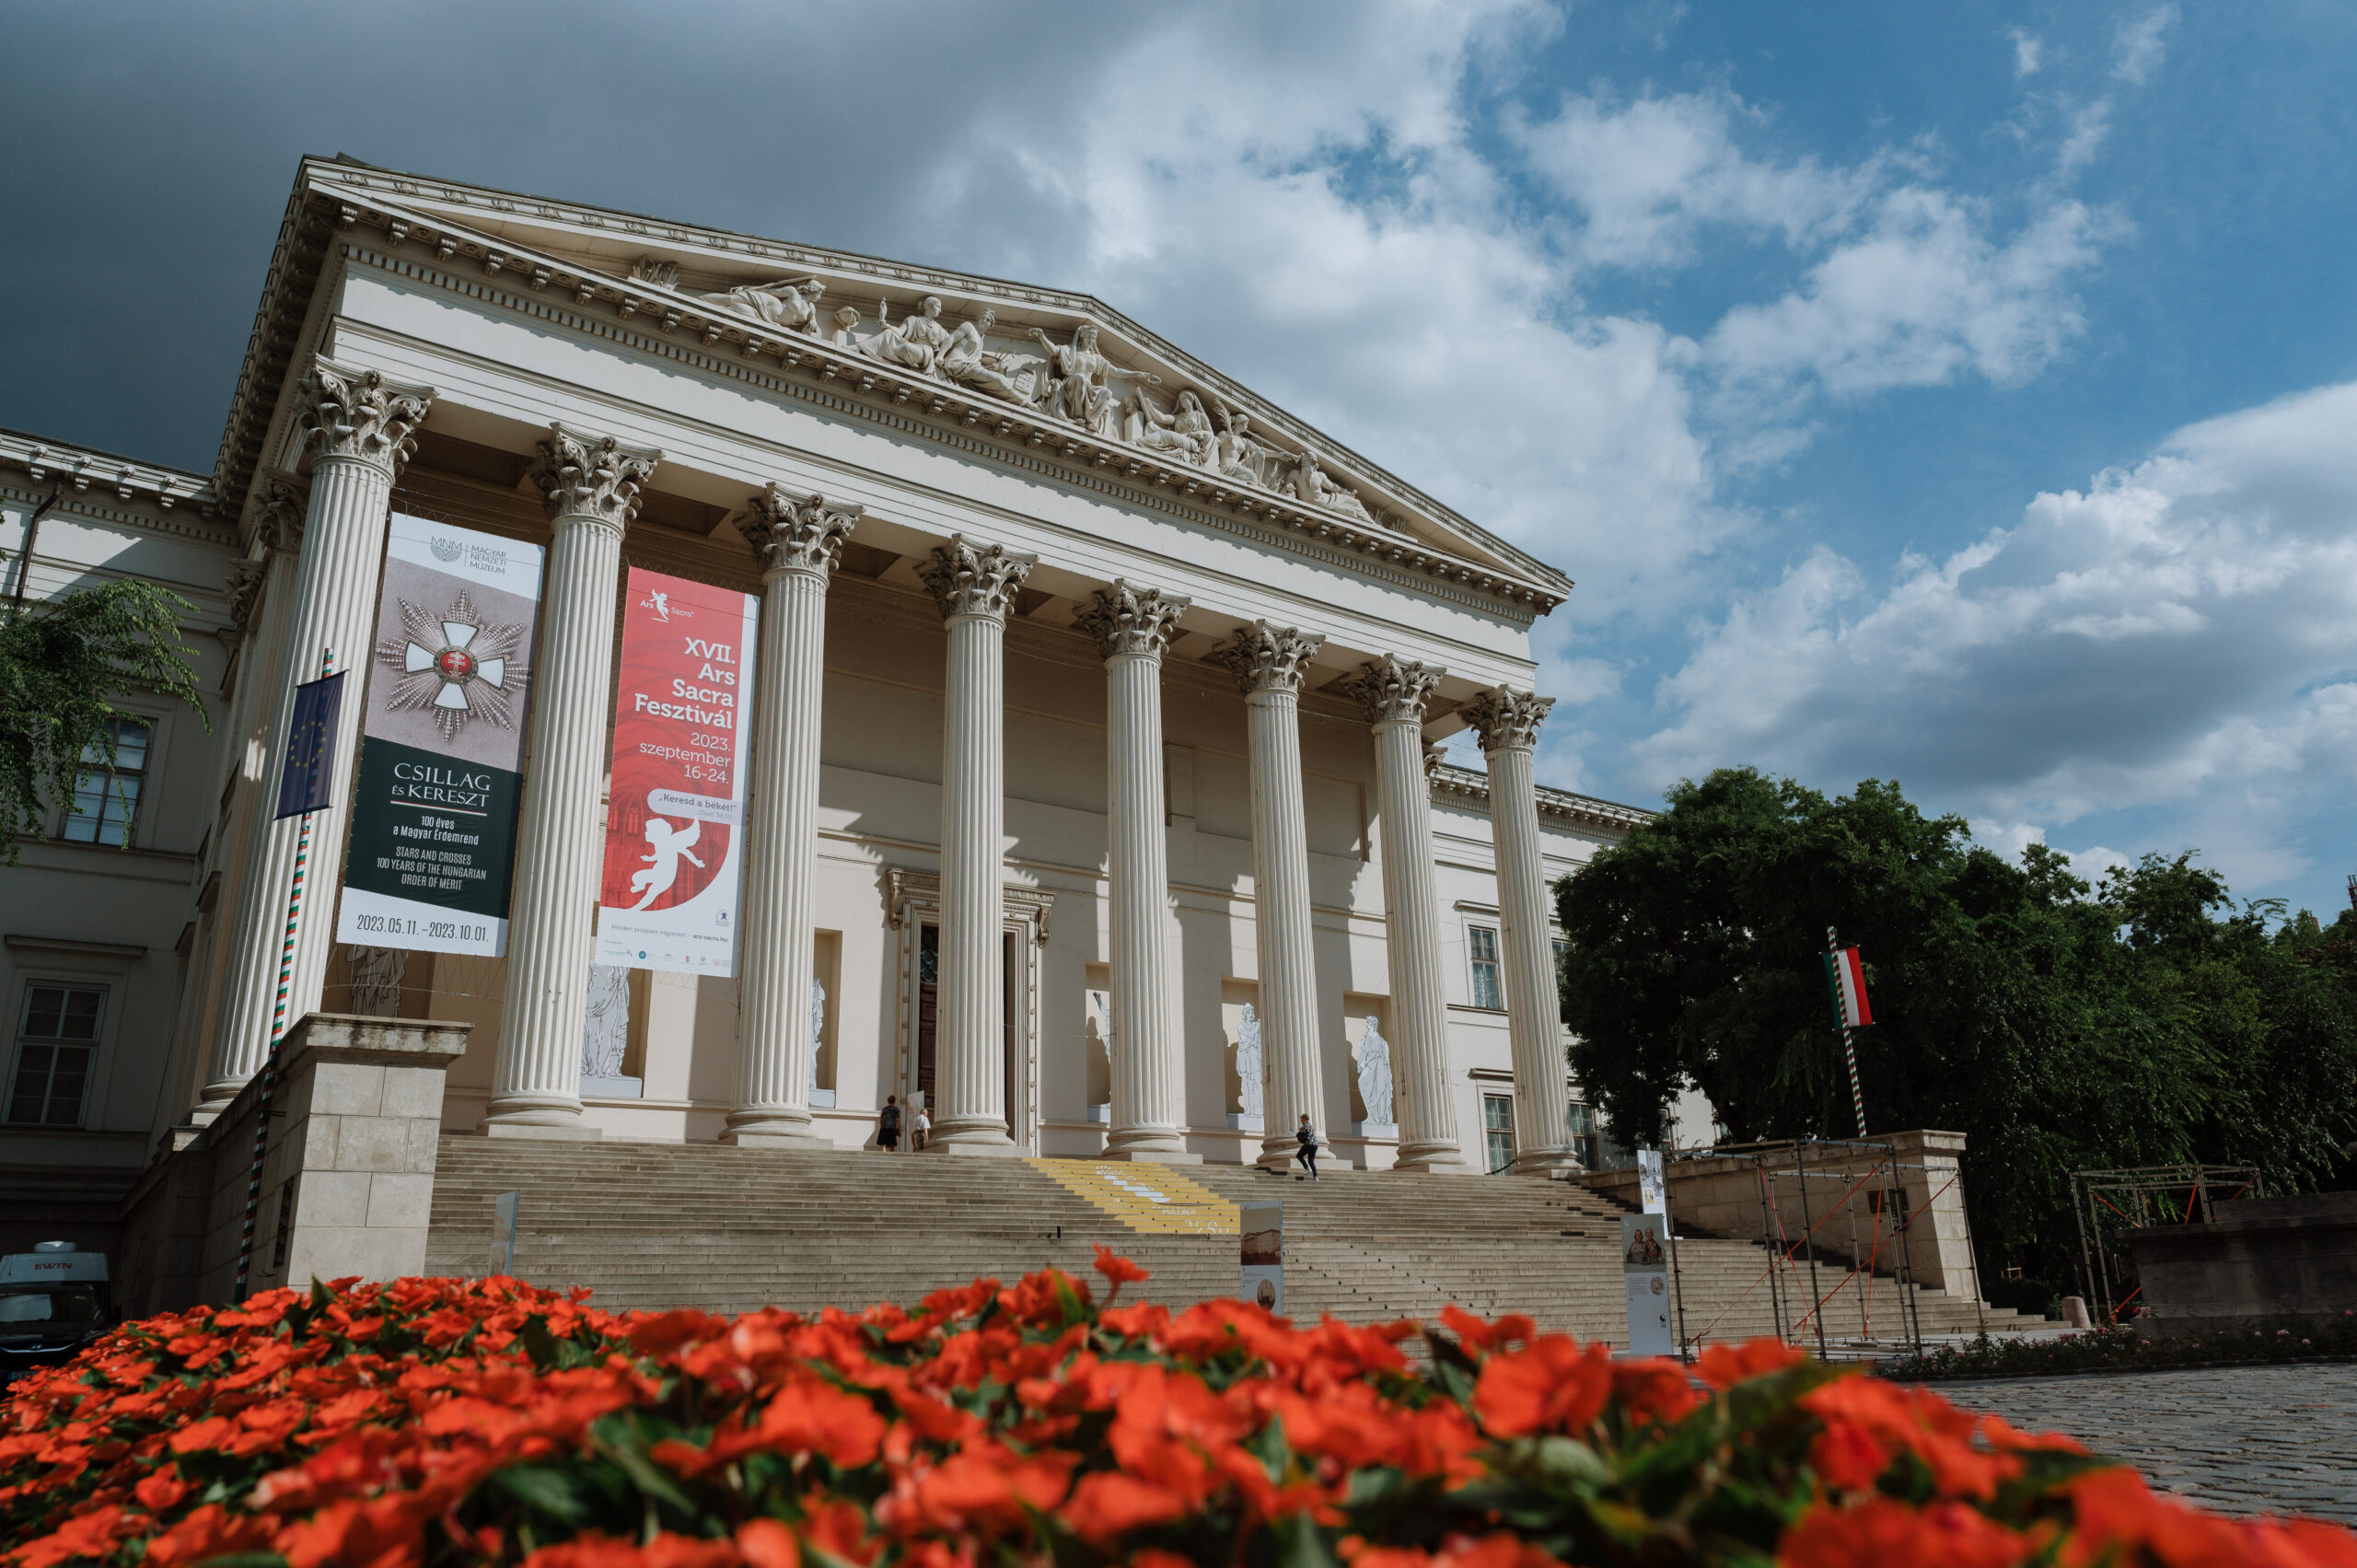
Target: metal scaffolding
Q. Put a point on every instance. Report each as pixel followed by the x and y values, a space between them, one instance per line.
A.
pixel 2108 1204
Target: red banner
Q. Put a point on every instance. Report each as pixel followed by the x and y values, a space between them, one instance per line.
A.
pixel 675 807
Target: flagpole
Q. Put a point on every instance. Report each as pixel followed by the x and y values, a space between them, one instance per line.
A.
pixel 1848 1031
pixel 277 1034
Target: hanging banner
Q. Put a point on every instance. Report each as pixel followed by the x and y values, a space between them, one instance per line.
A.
pixel 1263 1271
pixel 1645 1270
pixel 675 810
pixel 433 847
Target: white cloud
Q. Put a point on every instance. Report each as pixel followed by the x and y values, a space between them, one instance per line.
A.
pixel 1922 295
pixel 2173 639
pixel 2029 53
pixel 2138 47
pixel 1647 175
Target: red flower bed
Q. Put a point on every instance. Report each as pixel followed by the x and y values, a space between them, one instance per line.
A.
pixel 442 1422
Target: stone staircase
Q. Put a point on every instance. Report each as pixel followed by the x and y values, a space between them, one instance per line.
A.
pixel 726 1229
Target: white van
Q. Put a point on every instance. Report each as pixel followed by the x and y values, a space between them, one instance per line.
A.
pixel 53 1300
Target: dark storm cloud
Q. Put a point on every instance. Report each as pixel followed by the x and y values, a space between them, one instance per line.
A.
pixel 151 149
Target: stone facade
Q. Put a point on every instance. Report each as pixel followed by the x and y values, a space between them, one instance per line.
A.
pixel 1132 671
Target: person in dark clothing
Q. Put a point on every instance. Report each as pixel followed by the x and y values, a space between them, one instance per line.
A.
pixel 888 1126
pixel 1308 1158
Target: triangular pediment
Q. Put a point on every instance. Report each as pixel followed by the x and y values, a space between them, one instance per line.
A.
pixel 1063 373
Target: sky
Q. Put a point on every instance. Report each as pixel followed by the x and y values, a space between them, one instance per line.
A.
pixel 1964 394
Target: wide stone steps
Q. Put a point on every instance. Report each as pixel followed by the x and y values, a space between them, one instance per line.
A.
pixel 659 1226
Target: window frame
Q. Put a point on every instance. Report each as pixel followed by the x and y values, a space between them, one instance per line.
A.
pixel 1495 963
pixel 94 1048
pixel 1490 1133
pixel 157 716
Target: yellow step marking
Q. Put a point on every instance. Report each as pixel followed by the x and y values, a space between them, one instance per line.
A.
pixel 1148 1198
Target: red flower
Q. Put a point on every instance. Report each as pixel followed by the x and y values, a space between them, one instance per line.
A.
pixel 1723 1367
pixel 1552 1387
pixel 1118 1272
pixel 1883 1531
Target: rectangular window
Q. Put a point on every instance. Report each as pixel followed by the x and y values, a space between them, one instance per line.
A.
pixel 1584 1137
pixel 1488 990
pixel 1497 1130
pixel 105 796
pixel 1562 952
pixel 56 1037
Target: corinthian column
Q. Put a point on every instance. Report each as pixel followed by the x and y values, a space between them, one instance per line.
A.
pixel 1268 661
pixel 1131 627
pixel 974 585
pixel 1394 692
pixel 590 484
pixel 797 540
pixel 359 427
pixel 1508 722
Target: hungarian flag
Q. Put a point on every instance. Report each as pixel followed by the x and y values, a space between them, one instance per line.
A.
pixel 1846 976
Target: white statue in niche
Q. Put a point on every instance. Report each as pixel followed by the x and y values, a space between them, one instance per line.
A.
pixel 1100 1049
pixel 1374 1074
pixel 818 1025
pixel 605 1032
pixel 789 304
pixel 377 976
pixel 1248 1070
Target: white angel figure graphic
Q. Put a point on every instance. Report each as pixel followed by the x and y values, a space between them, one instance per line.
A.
pixel 668 846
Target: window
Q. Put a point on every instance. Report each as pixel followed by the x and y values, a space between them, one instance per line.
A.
pixel 55 1040
pixel 1497 1130
pixel 1482 942
pixel 1584 1137
pixel 1562 955
pixel 106 798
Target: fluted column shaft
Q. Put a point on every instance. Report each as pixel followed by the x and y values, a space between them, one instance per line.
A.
pixel 360 426
pixel 1395 692
pixel 1131 627
pixel 798 541
pixel 974 586
pixel 1508 722
pixel 591 484
pixel 1269 662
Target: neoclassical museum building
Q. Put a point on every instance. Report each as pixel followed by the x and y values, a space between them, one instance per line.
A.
pixel 1089 784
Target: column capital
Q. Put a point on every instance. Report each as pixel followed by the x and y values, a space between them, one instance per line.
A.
pixel 1269 658
pixel 1505 717
pixel 348 411
pixel 244 587
pixel 969 579
pixel 1393 689
pixel 580 475
pixel 1125 620
pixel 792 533
pixel 280 505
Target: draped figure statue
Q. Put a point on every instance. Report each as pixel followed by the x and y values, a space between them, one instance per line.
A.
pixel 1249 1061
pixel 1374 1074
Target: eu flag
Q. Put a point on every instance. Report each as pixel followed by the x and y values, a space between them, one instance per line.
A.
pixel 309 772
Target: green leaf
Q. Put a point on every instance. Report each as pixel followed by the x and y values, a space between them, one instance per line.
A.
pixel 1301 1544
pixel 538 1343
pixel 553 1491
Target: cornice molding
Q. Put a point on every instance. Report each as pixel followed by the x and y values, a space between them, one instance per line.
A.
pixel 76 470
pixel 809 366
pixel 1451 782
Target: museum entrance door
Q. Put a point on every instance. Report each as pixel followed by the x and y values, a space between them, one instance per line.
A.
pixel 913 899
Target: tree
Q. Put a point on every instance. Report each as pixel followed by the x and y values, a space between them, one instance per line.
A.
pixel 62 664
pixel 2060 1027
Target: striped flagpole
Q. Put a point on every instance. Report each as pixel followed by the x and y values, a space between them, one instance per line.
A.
pixel 1848 1030
pixel 277 1034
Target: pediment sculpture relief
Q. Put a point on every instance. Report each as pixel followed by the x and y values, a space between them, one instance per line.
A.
pixel 1072 381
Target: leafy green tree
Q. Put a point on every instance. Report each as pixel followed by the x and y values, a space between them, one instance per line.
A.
pixel 62 662
pixel 2059 1026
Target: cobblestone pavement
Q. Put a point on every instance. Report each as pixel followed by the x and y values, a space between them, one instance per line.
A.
pixel 2238 1440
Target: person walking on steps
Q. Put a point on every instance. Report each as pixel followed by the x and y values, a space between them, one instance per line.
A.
pixel 924 1130
pixel 1308 1158
pixel 888 1126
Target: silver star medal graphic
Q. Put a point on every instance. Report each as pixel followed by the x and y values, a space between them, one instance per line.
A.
pixel 453 664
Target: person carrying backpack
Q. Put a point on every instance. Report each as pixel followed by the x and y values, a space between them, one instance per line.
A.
pixel 1308 1158
pixel 888 1126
